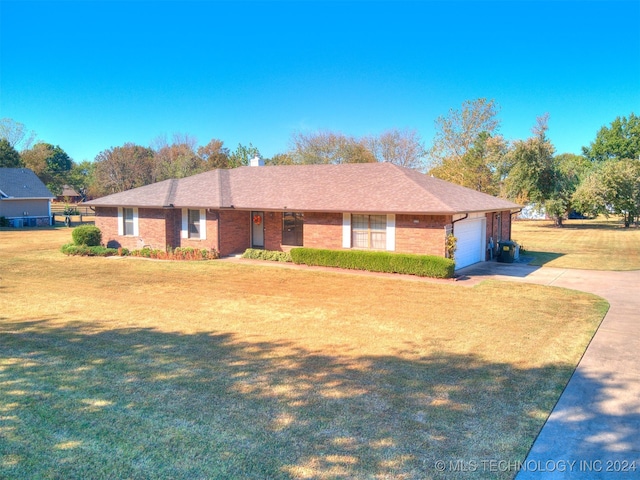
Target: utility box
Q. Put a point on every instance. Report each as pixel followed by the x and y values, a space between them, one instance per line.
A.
pixel 507 251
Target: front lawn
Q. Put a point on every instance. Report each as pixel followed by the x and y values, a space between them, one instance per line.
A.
pixel 585 244
pixel 131 368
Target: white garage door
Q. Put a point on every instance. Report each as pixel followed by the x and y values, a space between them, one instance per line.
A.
pixel 470 241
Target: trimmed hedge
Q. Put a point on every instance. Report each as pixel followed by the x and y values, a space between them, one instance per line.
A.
pixel 88 251
pixel 179 253
pixel 421 265
pixel 257 254
pixel 88 235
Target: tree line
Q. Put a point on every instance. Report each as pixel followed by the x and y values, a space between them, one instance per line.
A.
pixel 467 149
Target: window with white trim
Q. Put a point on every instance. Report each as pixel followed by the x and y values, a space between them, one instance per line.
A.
pixel 292 228
pixel 194 224
pixel 369 231
pixel 127 219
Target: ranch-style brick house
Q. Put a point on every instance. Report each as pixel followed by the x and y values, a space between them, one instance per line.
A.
pixel 378 206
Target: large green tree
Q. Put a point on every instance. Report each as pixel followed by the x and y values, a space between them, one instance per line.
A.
pixel 329 147
pixel 122 168
pixel 242 155
pixel 214 155
pixel 569 172
pixel 457 132
pixel 400 147
pixel 613 187
pixel 481 168
pixel 280 159
pixel 16 134
pixel 620 140
pixel 51 164
pixel 9 157
pixel 82 178
pixel 535 176
pixel 176 160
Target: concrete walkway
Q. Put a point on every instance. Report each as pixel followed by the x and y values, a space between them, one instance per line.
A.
pixel 594 429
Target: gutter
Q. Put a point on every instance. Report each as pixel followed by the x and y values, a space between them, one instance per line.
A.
pixel 511 222
pixel 466 215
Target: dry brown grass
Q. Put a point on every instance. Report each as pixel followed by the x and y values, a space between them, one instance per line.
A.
pixel 583 244
pixel 126 368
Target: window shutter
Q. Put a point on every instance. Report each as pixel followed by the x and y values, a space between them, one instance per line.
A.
pixel 203 224
pixel 120 222
pixel 136 231
pixel 346 230
pixel 184 233
pixel 391 232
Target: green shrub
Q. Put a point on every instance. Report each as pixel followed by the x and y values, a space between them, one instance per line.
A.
pixel 421 265
pixel 4 222
pixel 190 253
pixel 70 210
pixel 88 235
pixel 180 253
pixel 88 251
pixel 257 254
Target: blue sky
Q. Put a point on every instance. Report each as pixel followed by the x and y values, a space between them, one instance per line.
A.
pixel 91 75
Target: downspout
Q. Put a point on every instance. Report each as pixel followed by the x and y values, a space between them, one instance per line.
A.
pixel 511 222
pixel 466 215
pixel 218 225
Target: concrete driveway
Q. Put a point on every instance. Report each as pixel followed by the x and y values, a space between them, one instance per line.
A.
pixel 594 429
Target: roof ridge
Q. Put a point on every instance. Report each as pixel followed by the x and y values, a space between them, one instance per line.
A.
pixel 410 174
pixel 223 172
pixel 173 185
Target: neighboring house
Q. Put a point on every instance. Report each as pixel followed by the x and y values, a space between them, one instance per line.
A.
pixel 377 206
pixel 531 212
pixel 69 195
pixel 24 200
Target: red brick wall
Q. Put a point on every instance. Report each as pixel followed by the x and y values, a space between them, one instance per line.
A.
pixel 323 230
pixel 235 231
pixel 494 231
pixel 160 228
pixel 427 237
pixel 506 225
pixel 273 231
pixel 174 224
pixel 157 228
pixel 107 221
pixel 152 228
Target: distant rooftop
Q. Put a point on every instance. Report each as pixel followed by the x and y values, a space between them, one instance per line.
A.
pixel 21 183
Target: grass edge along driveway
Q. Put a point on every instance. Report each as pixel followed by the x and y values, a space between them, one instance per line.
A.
pixel 120 368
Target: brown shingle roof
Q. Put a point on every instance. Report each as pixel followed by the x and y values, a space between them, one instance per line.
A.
pixel 359 187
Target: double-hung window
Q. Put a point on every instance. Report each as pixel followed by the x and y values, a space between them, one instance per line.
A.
pixel 369 231
pixel 128 221
pixel 127 217
pixel 292 225
pixel 194 224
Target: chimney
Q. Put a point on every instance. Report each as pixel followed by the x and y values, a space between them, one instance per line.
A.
pixel 256 162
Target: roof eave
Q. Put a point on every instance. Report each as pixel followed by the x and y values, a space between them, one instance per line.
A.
pixel 25 198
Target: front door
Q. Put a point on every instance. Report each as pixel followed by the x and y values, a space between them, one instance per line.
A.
pixel 257 229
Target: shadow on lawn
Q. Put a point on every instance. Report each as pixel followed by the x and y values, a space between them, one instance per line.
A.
pixel 542 258
pixel 140 403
